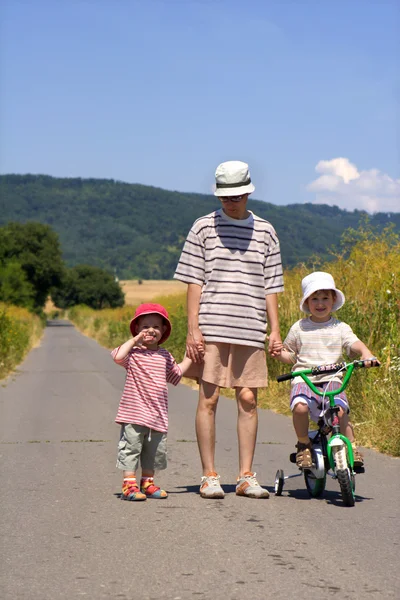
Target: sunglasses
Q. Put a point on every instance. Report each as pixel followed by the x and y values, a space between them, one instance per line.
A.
pixel 232 198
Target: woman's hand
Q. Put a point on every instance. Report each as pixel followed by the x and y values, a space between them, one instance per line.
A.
pixel 274 343
pixel 195 346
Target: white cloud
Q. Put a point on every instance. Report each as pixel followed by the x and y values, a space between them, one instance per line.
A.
pixel 342 184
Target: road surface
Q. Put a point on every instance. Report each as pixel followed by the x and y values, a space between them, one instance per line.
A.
pixel 65 534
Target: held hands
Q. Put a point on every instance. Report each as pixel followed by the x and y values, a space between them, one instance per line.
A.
pixel 275 345
pixel 195 346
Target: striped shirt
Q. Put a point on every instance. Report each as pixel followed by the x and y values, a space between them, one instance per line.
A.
pixel 313 344
pixel 237 263
pixel 145 397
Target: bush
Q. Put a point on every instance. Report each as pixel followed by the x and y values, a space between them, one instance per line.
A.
pixel 88 285
pixel 19 330
pixel 15 288
pixel 36 249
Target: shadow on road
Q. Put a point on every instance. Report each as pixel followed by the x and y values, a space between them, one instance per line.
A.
pixel 58 323
pixel 330 497
pixel 228 489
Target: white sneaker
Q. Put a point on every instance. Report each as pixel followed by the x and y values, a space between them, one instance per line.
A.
pixel 249 486
pixel 210 487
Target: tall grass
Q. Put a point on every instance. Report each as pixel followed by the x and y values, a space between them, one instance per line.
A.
pixel 19 331
pixel 369 276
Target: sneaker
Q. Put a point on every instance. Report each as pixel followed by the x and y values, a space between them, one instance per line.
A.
pixel 148 488
pixel 210 487
pixel 303 456
pixel 249 486
pixel 130 491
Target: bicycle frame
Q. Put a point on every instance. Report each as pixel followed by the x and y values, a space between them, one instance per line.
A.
pixel 337 439
pixel 337 451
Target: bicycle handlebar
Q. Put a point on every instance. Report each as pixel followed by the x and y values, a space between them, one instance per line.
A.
pixel 327 369
pixel 284 377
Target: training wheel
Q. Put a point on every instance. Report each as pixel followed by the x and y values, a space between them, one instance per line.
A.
pixel 279 481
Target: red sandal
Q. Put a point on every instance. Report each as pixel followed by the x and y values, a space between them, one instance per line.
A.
pixel 148 488
pixel 130 491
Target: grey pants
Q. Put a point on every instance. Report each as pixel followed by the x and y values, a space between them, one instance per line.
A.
pixel 144 444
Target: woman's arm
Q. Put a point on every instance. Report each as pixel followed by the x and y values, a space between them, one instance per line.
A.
pixel 194 339
pixel 274 336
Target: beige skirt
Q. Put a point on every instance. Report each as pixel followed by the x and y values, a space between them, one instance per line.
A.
pixel 231 365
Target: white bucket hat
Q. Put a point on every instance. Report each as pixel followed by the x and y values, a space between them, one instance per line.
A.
pixel 320 281
pixel 232 178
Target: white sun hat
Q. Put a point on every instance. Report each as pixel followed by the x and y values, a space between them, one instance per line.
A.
pixel 320 281
pixel 232 178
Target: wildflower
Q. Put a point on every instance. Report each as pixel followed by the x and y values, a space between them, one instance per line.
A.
pixel 388 292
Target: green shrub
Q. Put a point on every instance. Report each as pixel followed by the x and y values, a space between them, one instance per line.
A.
pixel 369 274
pixel 19 331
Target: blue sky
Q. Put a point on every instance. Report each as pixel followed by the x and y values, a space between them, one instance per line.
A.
pixel 160 92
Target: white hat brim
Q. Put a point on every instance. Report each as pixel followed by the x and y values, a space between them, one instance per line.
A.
pixel 235 191
pixel 340 297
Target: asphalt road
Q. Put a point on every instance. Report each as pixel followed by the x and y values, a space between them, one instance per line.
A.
pixel 65 533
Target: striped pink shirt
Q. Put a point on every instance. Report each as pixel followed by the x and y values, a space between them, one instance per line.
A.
pixel 145 397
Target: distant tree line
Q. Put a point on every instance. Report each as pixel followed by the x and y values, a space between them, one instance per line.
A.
pixel 139 230
pixel 32 268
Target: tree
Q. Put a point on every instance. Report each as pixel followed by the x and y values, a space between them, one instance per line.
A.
pixel 88 285
pixel 14 286
pixel 35 247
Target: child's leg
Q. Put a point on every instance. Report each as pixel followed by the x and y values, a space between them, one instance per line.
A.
pixel 147 473
pixel 154 456
pixel 301 421
pixel 129 449
pixel 300 412
pixel 346 428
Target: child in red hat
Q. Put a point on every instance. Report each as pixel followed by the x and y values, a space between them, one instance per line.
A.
pixel 143 409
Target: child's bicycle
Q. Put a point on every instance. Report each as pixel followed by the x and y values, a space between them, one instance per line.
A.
pixel 331 455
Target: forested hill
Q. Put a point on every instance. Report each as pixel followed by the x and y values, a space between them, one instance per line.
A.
pixel 139 230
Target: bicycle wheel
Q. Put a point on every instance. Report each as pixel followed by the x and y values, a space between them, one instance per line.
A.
pixel 346 486
pixel 314 486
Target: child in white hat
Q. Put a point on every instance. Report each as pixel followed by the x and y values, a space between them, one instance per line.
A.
pixel 316 340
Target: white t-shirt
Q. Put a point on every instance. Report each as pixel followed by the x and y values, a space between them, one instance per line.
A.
pixel 313 344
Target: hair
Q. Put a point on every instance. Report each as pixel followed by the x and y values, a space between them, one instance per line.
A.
pixel 164 321
pixel 334 294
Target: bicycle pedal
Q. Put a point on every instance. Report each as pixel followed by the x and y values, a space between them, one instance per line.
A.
pixel 292 458
pixel 360 469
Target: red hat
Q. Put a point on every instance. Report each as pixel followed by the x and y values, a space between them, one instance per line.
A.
pixel 148 309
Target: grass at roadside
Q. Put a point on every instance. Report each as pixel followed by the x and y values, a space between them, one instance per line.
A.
pixel 20 330
pixel 370 277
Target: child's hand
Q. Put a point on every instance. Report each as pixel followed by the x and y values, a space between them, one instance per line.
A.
pixel 140 338
pixel 370 361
